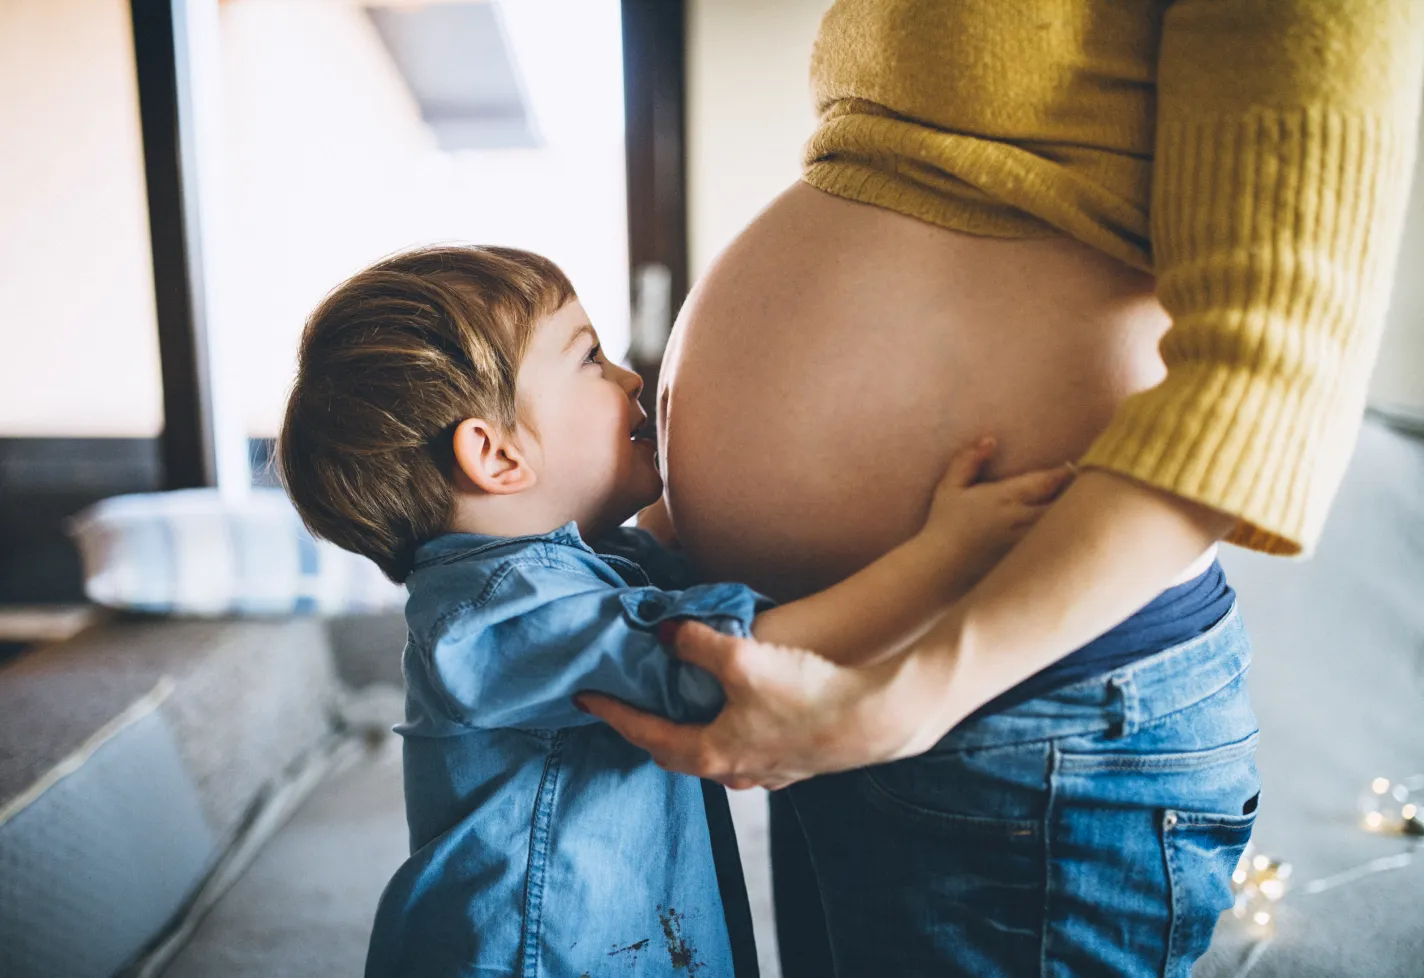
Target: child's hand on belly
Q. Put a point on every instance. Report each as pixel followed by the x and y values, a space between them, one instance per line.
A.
pixel 973 523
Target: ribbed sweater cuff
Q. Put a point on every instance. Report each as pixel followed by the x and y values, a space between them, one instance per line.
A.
pixel 1275 237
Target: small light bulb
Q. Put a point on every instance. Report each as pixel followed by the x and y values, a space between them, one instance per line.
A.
pixel 1380 785
pixel 1272 889
pixel 1373 820
pixel 1261 861
pixel 1238 877
pixel 1261 918
pixel 1408 812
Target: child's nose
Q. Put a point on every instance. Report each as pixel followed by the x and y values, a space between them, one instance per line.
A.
pixel 632 383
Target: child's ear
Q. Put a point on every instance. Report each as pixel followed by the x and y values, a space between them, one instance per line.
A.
pixel 488 458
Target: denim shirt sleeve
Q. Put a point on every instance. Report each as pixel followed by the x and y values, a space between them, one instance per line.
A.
pixel 665 568
pixel 543 632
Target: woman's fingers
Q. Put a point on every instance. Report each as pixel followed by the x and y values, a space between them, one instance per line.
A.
pixel 714 651
pixel 783 720
pixel 674 746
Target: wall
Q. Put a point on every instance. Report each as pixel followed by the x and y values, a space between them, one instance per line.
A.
pixel 749 111
pixel 1398 384
pixel 325 166
pixel 77 323
pixel 329 167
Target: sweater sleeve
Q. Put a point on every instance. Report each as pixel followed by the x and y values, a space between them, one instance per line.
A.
pixel 1286 131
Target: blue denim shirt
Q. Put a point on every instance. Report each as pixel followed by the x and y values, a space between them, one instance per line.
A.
pixel 542 843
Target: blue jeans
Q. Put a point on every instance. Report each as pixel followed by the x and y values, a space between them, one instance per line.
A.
pixel 1090 831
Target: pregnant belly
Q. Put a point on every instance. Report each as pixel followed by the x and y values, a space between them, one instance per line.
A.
pixel 827 365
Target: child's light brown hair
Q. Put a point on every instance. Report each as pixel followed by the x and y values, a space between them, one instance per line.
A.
pixel 389 364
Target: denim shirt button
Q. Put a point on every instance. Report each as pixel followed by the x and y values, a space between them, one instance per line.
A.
pixel 649 608
pixel 1169 821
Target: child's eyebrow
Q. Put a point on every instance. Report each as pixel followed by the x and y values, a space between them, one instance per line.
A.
pixel 585 328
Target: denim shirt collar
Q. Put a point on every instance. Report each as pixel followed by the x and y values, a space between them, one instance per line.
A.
pixel 451 547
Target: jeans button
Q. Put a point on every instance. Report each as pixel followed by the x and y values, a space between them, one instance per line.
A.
pixel 1169 821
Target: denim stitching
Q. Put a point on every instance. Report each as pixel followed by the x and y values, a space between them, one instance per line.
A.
pixel 615 561
pixel 1049 811
pixel 538 848
pixel 1214 820
pixel 492 583
pixel 481 548
pixel 1173 911
pixel 442 624
pixel 1238 677
pixel 1131 706
pixel 453 709
pixel 1125 675
pixel 1124 698
pixel 1231 617
pixel 1129 672
pixel 976 825
pixel 1174 761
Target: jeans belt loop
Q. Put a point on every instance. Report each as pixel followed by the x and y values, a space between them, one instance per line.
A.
pixel 1124 701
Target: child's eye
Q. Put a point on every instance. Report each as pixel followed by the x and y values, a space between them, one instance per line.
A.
pixel 594 352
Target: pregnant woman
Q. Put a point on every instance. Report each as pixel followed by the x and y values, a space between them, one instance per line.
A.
pixel 1155 238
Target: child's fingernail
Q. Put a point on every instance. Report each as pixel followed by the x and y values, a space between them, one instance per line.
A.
pixel 578 705
pixel 667 632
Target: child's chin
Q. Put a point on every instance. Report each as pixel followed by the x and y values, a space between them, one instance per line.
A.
pixel 654 493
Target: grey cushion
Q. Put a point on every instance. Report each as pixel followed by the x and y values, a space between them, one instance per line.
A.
pixel 129 756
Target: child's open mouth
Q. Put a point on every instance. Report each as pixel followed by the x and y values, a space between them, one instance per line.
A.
pixel 644 433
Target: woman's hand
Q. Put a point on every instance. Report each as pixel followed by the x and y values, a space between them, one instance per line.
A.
pixel 1103 551
pixel 790 714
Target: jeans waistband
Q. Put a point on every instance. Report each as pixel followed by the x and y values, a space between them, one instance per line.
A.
pixel 1123 699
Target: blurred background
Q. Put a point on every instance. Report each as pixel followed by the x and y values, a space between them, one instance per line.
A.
pixel 197 783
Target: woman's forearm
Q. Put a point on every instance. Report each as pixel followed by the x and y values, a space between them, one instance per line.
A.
pixel 1104 550
pixel 1107 547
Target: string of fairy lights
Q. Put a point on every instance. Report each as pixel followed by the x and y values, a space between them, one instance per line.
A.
pixel 1387 807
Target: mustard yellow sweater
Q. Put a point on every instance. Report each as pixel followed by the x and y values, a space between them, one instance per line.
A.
pixel 1253 154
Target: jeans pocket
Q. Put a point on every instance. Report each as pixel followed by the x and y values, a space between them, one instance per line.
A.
pixel 1201 852
pixel 964 874
pixel 993 792
pixel 1170 810
pixel 890 800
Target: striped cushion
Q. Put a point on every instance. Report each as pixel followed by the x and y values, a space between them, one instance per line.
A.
pixel 193 552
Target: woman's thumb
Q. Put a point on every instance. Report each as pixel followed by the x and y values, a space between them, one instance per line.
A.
pixel 698 644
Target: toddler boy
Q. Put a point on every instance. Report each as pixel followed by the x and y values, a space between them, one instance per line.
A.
pixel 455 420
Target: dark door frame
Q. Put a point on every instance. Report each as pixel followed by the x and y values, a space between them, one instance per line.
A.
pixel 654 68
pixel 187 447
pixel 654 87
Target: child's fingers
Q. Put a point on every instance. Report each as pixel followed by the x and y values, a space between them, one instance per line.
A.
pixel 1027 514
pixel 967 463
pixel 1042 486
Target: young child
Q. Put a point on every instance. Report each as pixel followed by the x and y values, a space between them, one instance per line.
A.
pixel 455 420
